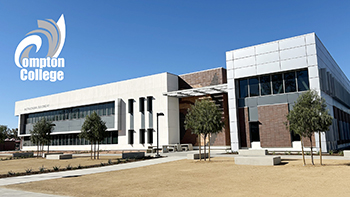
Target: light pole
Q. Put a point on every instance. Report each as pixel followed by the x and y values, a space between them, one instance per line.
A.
pixel 158 114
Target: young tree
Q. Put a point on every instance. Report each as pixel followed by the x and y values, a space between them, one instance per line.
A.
pixel 41 134
pixel 3 132
pixel 205 118
pixel 309 115
pixel 94 130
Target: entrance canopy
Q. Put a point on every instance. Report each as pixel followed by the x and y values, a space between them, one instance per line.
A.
pixel 207 90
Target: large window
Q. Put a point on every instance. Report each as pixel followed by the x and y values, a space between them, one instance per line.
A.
pixel 303 80
pixel 289 81
pixel 277 84
pixel 265 85
pixel 274 84
pixel 73 139
pixel 243 88
pixel 103 109
pixel 254 86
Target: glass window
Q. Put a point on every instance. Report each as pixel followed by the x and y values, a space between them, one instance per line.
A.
pixel 289 82
pixel 254 86
pixel 243 88
pixel 265 85
pixel 303 80
pixel 277 84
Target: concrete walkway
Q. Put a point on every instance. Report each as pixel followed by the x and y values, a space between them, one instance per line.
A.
pixel 17 193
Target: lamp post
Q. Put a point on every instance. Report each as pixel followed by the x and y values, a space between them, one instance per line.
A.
pixel 158 114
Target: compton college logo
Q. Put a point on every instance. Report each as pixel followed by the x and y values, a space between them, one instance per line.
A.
pixel 46 68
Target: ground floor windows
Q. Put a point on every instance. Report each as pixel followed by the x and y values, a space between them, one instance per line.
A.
pixel 73 139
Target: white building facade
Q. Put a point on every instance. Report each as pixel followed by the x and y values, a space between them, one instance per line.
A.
pixel 265 80
pixel 255 93
pixel 128 107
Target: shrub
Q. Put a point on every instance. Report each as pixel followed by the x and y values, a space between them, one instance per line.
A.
pixel 118 161
pixel 29 170
pixel 110 162
pixel 341 153
pixel 331 152
pixel 69 167
pixel 56 168
pixel 10 173
pixel 102 164
pixel 42 168
pixel 79 166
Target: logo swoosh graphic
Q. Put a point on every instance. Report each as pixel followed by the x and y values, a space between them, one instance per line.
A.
pixel 30 40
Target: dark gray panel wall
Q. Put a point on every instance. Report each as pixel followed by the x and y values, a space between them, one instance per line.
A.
pixel 269 100
pixel 73 125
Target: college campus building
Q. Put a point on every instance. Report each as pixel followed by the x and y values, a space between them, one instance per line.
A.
pixel 254 93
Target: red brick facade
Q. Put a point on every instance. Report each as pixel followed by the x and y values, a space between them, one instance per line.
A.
pixel 273 132
pixel 202 79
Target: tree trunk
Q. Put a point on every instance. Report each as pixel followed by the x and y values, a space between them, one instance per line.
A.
pixel 312 155
pixel 209 146
pixel 48 145
pixel 302 150
pixel 91 150
pixel 37 151
pixel 98 150
pixel 319 140
pixel 205 151
pixel 95 150
pixel 199 145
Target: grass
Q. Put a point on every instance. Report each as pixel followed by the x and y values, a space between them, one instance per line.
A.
pixel 220 177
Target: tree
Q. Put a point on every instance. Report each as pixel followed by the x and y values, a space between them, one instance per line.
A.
pixel 309 115
pixel 3 132
pixel 13 133
pixel 40 135
pixel 94 130
pixel 205 118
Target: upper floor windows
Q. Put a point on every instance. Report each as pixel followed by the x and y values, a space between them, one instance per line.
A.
pixel 274 84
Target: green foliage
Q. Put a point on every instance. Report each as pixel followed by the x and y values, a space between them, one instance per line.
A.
pixel 94 129
pixel 341 153
pixel 42 168
pixel 68 167
pixel 309 115
pixel 11 173
pixel 79 167
pixel 29 170
pixel 40 134
pixel 56 168
pixel 4 130
pixel 330 152
pixel 204 117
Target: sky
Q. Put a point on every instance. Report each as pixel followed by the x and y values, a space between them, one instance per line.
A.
pixel 110 41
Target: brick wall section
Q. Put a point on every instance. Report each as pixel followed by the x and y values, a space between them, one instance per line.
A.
pixel 203 78
pixel 273 132
pixel 244 133
pixel 307 143
pixel 220 139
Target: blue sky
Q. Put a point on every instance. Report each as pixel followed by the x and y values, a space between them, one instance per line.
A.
pixel 110 41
